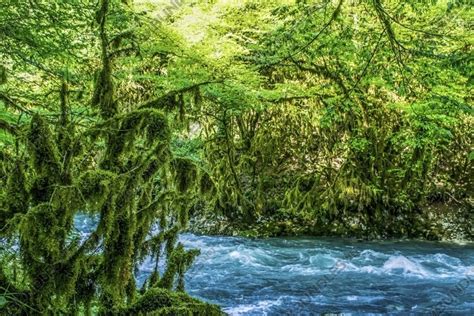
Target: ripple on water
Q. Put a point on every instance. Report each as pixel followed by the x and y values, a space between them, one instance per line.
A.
pixel 405 265
pixel 400 278
pixel 282 276
pixel 260 308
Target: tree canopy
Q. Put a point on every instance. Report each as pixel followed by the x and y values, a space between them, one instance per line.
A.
pixel 330 117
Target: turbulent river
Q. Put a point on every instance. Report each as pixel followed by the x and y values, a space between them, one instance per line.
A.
pixel 312 276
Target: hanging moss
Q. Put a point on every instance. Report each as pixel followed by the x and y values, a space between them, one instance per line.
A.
pixel 181 109
pixel 157 128
pixel 152 124
pixel 130 126
pixel 197 97
pixel 42 148
pixel 95 185
pixel 16 195
pixel 170 237
pixel 38 229
pixel 178 263
pixel 86 284
pixel 183 211
pixel 152 169
pixel 186 173
pixel 3 74
pixel 119 249
pixel 42 188
pixel 166 102
pixel 116 167
pixel 206 185
pixel 103 96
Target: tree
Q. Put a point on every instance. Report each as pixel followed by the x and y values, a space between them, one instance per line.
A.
pixel 115 162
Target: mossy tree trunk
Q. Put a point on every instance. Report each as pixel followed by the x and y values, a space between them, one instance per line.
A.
pixel 118 167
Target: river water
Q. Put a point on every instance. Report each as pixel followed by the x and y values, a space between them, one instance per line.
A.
pixel 312 276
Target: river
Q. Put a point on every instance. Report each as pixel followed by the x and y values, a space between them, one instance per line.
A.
pixel 312 276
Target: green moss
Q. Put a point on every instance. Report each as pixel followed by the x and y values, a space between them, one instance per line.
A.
pixel 95 186
pixel 42 148
pixel 16 198
pixel 40 232
pixel 206 185
pixel 146 125
pixel 178 263
pixel 112 160
pixel 3 74
pixel 164 302
pixel 157 128
pixel 186 173
pixel 104 91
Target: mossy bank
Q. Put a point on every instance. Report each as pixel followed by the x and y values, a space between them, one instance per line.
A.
pixel 453 222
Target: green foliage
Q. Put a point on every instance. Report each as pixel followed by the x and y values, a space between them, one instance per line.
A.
pixel 335 117
pixel 165 302
pixel 110 157
pixel 356 109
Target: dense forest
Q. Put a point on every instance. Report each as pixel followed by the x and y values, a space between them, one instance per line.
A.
pixel 348 118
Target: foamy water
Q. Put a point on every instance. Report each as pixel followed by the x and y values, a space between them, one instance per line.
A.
pixel 312 276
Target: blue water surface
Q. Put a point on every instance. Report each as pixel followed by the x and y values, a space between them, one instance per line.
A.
pixel 313 276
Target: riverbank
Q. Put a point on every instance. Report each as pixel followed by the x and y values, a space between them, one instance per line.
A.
pixel 436 221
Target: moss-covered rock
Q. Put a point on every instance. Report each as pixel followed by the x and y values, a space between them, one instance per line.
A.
pixel 159 301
